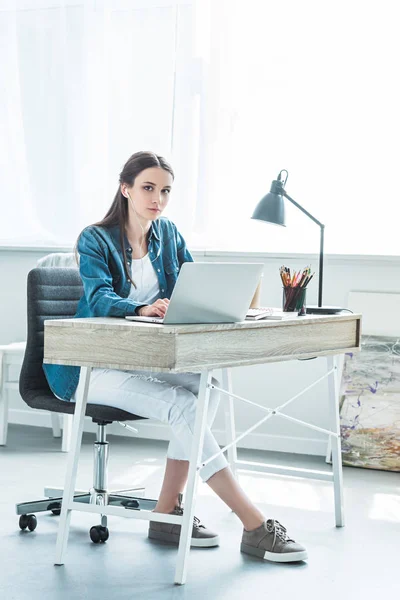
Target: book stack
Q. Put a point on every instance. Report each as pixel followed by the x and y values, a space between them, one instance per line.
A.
pixel 274 314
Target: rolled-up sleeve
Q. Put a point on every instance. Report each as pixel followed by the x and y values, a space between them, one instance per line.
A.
pixel 97 279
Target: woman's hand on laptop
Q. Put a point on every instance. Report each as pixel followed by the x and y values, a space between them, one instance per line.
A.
pixel 157 309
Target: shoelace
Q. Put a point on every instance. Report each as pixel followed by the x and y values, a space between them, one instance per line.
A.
pixel 278 530
pixel 196 521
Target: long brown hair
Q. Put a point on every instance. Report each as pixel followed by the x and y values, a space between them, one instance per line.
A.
pixel 117 214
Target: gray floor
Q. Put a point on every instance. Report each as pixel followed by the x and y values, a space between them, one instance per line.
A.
pixel 360 560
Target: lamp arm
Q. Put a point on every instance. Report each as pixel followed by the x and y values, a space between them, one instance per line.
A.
pixel 321 265
pixel 321 244
pixel 283 192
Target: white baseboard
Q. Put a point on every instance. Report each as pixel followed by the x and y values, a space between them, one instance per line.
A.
pixel 159 431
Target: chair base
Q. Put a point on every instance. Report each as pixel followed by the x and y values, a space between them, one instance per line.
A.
pixel 98 533
pixel 99 495
pixel 120 499
pixel 55 492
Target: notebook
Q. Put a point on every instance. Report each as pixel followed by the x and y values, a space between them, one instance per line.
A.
pixel 274 314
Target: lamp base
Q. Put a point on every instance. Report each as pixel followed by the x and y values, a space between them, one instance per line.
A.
pixel 323 310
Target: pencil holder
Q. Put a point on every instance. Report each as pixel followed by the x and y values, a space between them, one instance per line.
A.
pixel 294 299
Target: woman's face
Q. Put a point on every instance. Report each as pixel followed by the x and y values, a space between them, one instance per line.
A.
pixel 149 194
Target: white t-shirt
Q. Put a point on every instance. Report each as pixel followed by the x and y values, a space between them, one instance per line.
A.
pixel 145 278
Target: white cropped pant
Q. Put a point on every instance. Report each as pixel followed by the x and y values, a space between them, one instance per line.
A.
pixel 167 397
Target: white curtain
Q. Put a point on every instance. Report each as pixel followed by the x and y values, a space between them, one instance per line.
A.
pixel 84 84
pixel 312 87
pixel 230 91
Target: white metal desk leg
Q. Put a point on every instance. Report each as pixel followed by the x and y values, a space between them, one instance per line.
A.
pixel 230 428
pixel 3 400
pixel 333 389
pixel 340 365
pixel 67 432
pixel 3 416
pixel 55 424
pixel 195 458
pixel 72 467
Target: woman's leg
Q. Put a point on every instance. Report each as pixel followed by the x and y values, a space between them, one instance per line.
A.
pixel 222 483
pixel 177 466
pixel 175 478
pixel 191 382
pixel 228 489
pixel 146 394
pixel 159 396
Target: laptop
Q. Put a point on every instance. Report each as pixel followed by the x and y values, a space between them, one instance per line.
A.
pixel 210 292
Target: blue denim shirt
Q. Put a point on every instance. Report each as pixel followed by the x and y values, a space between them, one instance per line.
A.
pixel 106 287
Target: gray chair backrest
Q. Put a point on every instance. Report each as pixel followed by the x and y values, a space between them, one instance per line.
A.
pixel 52 294
pixel 58 259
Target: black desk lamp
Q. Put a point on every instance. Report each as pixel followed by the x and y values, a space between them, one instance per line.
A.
pixel 271 209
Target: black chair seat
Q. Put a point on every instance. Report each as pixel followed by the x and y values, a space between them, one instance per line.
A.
pixel 45 400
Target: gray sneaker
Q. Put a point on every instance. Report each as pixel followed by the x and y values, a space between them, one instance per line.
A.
pixel 170 532
pixel 271 542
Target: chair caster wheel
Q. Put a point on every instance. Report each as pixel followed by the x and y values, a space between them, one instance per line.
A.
pixel 28 521
pixel 55 508
pixel 99 534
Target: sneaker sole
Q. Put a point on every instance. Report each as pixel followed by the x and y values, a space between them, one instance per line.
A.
pixel 274 556
pixel 173 538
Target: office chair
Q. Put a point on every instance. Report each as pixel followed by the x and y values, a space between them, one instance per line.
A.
pixel 54 294
pixel 11 357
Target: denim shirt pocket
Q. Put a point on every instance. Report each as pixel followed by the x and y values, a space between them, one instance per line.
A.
pixel 171 271
pixel 172 268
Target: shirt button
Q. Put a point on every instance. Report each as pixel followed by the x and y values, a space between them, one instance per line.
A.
pixel 162 290
pixel 129 249
pixel 158 270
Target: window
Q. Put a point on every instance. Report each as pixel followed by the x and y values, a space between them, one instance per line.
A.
pixel 311 87
pixel 87 84
pixel 231 92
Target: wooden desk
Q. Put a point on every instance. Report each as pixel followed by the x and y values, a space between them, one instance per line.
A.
pixel 121 344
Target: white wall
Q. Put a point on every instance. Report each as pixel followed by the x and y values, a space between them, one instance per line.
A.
pixel 270 384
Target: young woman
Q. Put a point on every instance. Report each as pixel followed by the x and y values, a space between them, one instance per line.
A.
pixel 129 263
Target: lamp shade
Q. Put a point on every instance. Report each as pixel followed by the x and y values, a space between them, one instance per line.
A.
pixel 271 208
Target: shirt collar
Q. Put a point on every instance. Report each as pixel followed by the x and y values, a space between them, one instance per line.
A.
pixel 154 230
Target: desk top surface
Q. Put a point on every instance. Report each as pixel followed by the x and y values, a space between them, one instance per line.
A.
pixel 121 344
pixel 143 327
